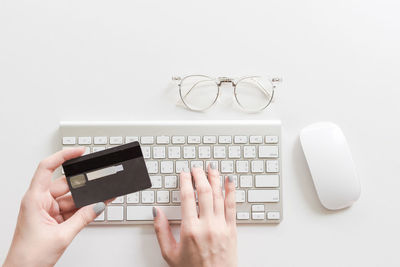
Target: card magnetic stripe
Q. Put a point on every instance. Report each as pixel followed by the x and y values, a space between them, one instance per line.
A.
pixel 102 158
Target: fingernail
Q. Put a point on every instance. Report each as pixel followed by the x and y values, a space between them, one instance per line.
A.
pixel 230 178
pixel 213 165
pixel 154 212
pixel 99 208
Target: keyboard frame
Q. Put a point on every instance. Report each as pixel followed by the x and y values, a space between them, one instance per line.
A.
pixel 186 128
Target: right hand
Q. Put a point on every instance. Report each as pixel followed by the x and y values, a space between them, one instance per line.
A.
pixel 207 238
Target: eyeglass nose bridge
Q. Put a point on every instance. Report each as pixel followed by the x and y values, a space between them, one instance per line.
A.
pixel 221 80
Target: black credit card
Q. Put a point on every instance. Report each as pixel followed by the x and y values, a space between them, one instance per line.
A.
pixel 106 174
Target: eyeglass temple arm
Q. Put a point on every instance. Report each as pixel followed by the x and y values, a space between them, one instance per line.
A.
pixel 273 81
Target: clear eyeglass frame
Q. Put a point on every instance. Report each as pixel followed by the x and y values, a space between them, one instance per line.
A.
pixel 274 82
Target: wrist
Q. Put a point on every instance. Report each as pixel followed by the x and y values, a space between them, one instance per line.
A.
pixel 19 255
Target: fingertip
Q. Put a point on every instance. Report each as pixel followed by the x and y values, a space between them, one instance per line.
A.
pixel 98 208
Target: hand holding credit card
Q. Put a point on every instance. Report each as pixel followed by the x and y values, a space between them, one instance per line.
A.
pixel 107 174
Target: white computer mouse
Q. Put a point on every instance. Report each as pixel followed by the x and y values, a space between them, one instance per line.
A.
pixel 331 165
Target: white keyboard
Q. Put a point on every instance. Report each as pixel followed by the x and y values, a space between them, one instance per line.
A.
pixel 250 151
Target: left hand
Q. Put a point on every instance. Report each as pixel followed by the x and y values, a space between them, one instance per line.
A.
pixel 48 220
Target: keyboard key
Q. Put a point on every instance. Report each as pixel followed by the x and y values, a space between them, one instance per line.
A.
pixel 257 208
pixel 115 213
pixel 256 139
pixel 159 152
pixel 98 148
pixel 162 196
pixel 146 152
pixel 234 152
pixel 249 152
pixel 147 140
pixel 267 180
pixel 152 166
pixel 171 181
pixel 84 140
pixel 178 139
pixel 118 200
pixel 174 152
pixel 167 166
pixel 258 216
pixel 147 196
pixel 271 139
pixel 242 215
pixel 240 196
pixel 273 215
pixel 68 140
pixel 204 152
pixel 156 181
pixel 181 165
pixel 257 166
pixel 176 197
pixel 209 139
pixel 189 152
pixel 246 181
pixel 87 150
pixel 132 198
pixel 100 140
pixel 115 140
pixel 242 166
pixel 272 166
pixel 145 213
pixel 225 139
pixel 197 164
pixel 130 139
pixel 219 152
pixel 227 166
pixel 263 195
pixel 241 139
pixel 163 139
pixel 100 217
pixel 235 179
pixel 193 139
pixel 268 151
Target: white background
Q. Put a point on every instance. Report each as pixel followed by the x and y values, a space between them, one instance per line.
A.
pixel 112 60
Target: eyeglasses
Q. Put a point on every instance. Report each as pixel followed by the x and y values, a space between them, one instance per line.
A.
pixel 252 93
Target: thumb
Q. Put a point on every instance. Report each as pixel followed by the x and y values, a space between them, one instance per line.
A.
pixel 81 218
pixel 165 238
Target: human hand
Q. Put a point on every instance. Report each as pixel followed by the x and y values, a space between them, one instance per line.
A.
pixel 207 238
pixel 48 220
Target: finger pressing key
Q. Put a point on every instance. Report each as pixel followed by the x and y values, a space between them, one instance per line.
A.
pixel 204 192
pixel 230 203
pixel 188 203
pixel 213 177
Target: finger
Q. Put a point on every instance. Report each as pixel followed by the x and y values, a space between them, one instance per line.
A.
pixel 204 192
pixel 230 201
pixel 43 174
pixel 59 187
pixel 213 177
pixel 165 238
pixel 81 218
pixel 68 214
pixel 66 204
pixel 188 203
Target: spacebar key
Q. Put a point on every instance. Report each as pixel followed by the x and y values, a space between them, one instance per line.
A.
pixel 145 213
pixel 263 195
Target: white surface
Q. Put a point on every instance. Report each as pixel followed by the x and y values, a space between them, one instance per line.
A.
pixel 112 60
pixel 331 165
